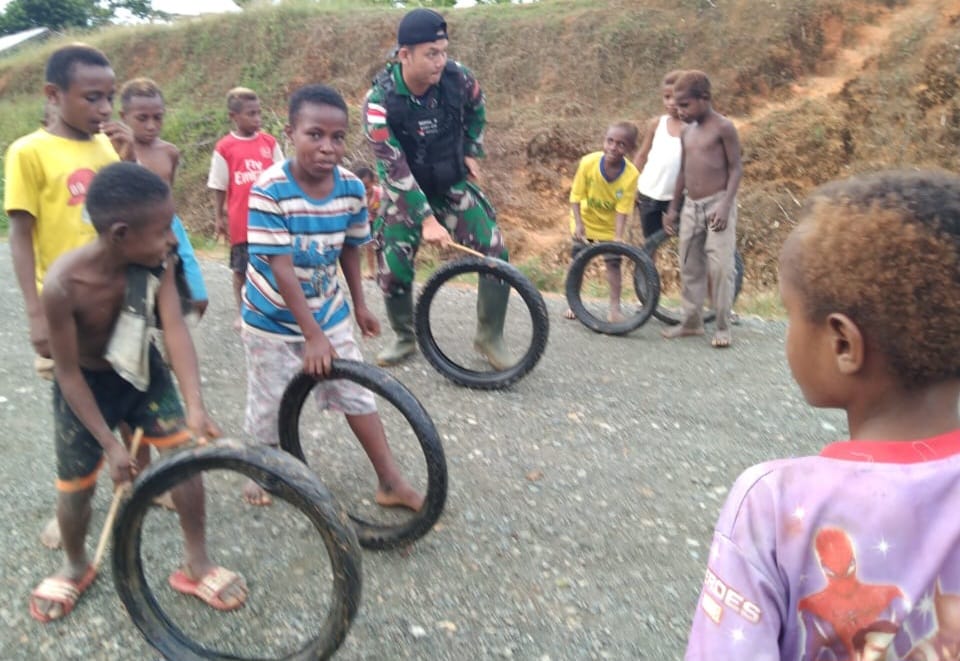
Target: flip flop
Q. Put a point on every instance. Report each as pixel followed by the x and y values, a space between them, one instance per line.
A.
pixel 209 587
pixel 60 590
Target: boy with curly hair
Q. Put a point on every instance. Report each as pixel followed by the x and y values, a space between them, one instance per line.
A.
pixel 811 554
pixel 100 301
pixel 238 159
pixel 143 108
pixel 601 197
pixel 308 216
pixel 705 196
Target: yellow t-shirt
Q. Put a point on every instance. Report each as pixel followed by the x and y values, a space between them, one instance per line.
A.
pixel 47 176
pixel 601 200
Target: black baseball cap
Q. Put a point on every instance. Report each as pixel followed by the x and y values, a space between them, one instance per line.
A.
pixel 421 26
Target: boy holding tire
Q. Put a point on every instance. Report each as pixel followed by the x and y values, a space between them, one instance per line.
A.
pixel 601 198
pixel 101 301
pixel 813 556
pixel 307 214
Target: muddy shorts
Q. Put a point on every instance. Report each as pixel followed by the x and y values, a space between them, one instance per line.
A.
pixel 239 258
pixel 272 363
pixel 158 411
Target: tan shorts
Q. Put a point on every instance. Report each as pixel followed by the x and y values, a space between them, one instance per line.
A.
pixel 272 363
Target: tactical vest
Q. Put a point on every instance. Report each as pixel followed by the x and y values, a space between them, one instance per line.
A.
pixel 431 135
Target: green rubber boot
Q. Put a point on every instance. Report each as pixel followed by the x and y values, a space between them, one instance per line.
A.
pixel 400 313
pixel 492 298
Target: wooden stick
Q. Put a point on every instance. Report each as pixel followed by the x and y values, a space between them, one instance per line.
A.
pixel 469 251
pixel 115 504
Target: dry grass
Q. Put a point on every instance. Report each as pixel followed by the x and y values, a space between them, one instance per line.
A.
pixel 557 72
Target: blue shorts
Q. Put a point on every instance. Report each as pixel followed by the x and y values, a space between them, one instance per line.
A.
pixel 191 268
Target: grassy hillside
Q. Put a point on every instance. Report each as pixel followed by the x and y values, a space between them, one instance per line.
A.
pixel 557 72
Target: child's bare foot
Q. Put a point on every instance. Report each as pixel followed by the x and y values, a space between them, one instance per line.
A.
pixel 50 535
pixel 237 324
pixel 401 495
pixel 254 495
pixel 568 314
pixel 721 339
pixel 615 316
pixel 681 331
pixel 165 500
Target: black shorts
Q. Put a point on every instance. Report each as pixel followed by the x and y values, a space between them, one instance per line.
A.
pixel 651 214
pixel 239 258
pixel 580 246
pixel 158 411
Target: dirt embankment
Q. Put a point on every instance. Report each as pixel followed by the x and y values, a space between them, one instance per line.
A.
pixel 819 89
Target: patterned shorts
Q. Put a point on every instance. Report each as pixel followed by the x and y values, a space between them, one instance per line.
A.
pixel 272 363
pixel 157 411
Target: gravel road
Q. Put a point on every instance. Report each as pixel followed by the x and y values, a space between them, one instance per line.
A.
pixel 580 506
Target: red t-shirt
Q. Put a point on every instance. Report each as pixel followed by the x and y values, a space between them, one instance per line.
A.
pixel 236 164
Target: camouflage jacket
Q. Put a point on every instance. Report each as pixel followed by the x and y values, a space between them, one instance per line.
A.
pixel 395 177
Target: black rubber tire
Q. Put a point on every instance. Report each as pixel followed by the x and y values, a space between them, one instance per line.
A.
pixel 671 318
pixel 539 319
pixel 374 535
pixel 283 477
pixel 646 283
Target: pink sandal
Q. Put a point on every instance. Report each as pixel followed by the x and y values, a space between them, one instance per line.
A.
pixel 209 587
pixel 60 590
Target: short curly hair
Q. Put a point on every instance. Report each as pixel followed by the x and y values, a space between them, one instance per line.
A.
pixel 672 77
pixel 237 96
pixel 692 83
pixel 884 249
pixel 144 87
pixel 630 129
pixel 122 191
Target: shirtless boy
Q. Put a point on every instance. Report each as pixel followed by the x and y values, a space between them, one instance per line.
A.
pixel 710 172
pixel 84 293
pixel 143 109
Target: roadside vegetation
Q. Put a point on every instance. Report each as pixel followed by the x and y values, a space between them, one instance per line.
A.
pixel 555 74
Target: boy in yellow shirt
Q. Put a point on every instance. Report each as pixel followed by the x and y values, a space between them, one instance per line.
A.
pixel 47 173
pixel 602 196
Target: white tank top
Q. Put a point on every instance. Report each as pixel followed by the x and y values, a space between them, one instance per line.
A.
pixel 659 175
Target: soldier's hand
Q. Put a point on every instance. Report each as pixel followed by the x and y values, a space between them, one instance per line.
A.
pixel 434 233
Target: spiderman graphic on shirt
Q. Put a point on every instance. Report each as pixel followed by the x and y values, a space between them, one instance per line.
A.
pixel 846 605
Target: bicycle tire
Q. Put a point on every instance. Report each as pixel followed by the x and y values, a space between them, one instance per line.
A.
pixel 671 317
pixel 646 282
pixel 282 477
pixel 463 376
pixel 374 535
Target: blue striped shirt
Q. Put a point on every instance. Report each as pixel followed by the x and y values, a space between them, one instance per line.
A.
pixel 285 220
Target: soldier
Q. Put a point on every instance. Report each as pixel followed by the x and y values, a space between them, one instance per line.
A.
pixel 424 118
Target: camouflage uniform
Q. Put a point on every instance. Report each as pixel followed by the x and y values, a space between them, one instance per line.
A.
pixel 462 209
